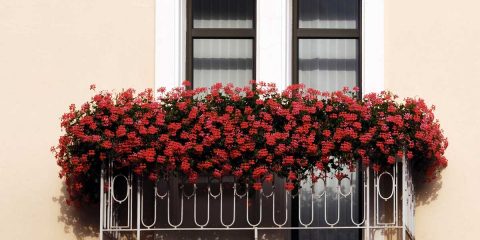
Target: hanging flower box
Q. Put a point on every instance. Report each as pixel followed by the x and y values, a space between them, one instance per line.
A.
pixel 251 134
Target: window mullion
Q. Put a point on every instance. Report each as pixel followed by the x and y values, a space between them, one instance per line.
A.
pixel 222 33
pixel 327 33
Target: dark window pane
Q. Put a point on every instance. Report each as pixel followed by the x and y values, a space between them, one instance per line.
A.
pixel 223 13
pixel 328 64
pixel 329 14
pixel 222 60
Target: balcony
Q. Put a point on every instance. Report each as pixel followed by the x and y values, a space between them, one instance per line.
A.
pixel 364 205
pixel 163 168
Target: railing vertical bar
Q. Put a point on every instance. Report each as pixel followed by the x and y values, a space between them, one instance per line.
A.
pixel 110 193
pixel 404 199
pixel 195 208
pixel 101 203
pixel 182 196
pixel 300 209
pixel 260 209
pixel 221 208
pixel 138 208
pixel 374 199
pixel 109 196
pixel 143 207
pixel 273 209
pixel 338 208
pixel 105 208
pixel 395 197
pixel 130 201
pixel 361 195
pixel 367 216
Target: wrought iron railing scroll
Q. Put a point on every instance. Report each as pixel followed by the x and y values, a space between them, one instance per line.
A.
pixel 368 205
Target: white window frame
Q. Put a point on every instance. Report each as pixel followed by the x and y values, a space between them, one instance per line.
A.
pixel 273 47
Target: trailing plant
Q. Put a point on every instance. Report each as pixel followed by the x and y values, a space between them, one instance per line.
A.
pixel 252 134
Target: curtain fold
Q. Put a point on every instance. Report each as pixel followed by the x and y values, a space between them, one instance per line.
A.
pixel 336 14
pixel 222 60
pixel 328 64
pixel 223 13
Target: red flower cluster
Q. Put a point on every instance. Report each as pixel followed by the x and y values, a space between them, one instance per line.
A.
pixel 252 134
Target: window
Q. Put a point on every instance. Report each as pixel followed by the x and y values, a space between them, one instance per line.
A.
pixel 220 42
pixel 326 52
pixel 326 43
pixel 208 41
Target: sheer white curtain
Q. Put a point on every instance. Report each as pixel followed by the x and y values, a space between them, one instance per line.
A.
pixel 223 13
pixel 339 14
pixel 222 60
pixel 328 64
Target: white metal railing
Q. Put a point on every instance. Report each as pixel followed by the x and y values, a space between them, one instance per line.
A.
pixel 378 205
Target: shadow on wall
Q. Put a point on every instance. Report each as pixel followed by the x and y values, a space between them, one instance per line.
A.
pixel 427 191
pixel 81 221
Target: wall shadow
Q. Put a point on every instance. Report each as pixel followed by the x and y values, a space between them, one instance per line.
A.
pixel 82 221
pixel 426 191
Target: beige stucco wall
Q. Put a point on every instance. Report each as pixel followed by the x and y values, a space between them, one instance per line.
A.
pixel 50 52
pixel 432 50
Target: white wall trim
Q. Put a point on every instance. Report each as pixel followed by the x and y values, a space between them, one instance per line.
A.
pixel 373 46
pixel 273 60
pixel 274 42
pixel 170 25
